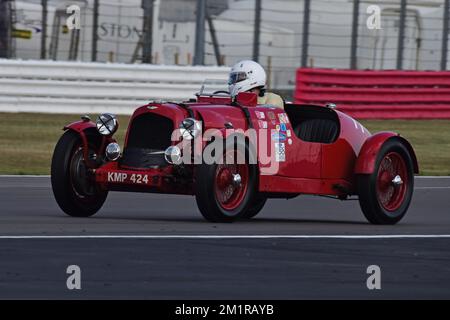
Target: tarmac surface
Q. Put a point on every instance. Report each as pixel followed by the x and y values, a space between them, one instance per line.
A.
pixel 146 246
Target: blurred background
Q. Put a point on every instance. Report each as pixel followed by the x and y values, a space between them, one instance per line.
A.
pixel 281 34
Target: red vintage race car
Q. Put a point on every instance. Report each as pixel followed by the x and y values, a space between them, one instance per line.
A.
pixel 233 155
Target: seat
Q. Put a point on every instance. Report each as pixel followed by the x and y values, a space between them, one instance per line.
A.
pixel 317 130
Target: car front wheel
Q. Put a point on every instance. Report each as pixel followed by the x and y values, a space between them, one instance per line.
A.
pixel 73 185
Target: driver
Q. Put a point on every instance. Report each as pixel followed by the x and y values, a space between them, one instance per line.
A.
pixel 249 76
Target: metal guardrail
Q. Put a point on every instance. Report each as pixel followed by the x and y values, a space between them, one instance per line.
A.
pixel 79 87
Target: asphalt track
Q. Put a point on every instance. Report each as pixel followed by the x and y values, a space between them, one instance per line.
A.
pixel 158 247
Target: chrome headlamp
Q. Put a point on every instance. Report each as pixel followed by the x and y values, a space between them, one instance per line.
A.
pixel 107 124
pixel 172 155
pixel 112 151
pixel 190 128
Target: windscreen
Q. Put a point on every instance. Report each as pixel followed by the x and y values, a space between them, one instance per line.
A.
pixel 214 87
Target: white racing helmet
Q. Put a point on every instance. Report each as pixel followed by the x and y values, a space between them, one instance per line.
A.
pixel 246 75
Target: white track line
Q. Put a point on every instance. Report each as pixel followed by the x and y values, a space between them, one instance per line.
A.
pixel 424 188
pixel 432 177
pixel 185 237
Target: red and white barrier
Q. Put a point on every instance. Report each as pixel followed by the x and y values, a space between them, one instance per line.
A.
pixel 383 94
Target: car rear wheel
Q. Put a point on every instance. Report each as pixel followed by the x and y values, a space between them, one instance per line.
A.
pixel 385 195
pixel 224 192
pixel 73 185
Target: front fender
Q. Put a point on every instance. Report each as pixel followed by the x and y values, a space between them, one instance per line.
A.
pixel 82 128
pixel 365 164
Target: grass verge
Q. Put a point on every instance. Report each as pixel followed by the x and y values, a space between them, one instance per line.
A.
pixel 27 140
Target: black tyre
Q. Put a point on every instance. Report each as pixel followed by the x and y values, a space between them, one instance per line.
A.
pixel 73 186
pixel 385 195
pixel 224 192
pixel 256 206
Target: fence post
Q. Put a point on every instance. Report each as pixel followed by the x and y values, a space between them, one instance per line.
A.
pixel 199 54
pixel 94 31
pixel 215 43
pixel 147 30
pixel 74 44
pixel 305 37
pixel 257 30
pixel 44 29
pixel 401 35
pixel 354 45
pixel 5 29
pixel 445 36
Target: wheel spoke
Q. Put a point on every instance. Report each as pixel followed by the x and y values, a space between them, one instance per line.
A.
pixel 228 193
pixel 391 195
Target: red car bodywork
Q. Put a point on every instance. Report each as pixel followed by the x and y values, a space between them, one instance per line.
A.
pixel 309 167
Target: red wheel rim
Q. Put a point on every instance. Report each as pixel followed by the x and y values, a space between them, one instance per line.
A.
pixel 392 181
pixel 228 192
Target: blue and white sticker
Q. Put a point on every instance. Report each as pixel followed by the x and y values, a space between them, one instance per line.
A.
pixel 280 152
pixel 278 137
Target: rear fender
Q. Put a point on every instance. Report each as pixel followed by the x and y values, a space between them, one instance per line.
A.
pixel 365 164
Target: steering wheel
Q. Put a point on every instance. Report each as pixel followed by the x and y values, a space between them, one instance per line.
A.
pixel 221 92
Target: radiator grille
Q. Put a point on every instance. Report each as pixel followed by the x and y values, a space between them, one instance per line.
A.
pixel 149 135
